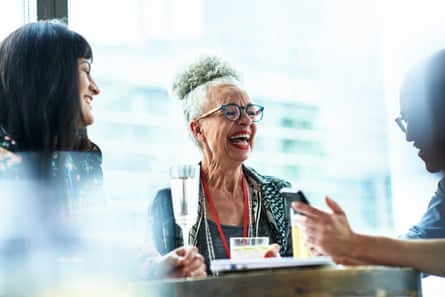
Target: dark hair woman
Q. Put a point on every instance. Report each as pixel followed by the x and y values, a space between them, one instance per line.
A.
pixel 46 158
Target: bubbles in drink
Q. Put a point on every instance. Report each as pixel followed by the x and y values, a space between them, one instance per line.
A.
pixel 184 185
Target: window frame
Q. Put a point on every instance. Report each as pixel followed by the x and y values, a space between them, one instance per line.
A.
pixel 51 9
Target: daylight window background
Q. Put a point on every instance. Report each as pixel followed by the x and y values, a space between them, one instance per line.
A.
pixel 315 66
pixel 327 72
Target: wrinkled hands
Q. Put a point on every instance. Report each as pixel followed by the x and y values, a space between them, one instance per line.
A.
pixel 181 262
pixel 325 233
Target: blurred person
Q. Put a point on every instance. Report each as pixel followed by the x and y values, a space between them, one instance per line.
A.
pixel 422 105
pixel 49 168
pixel 46 94
pixel 234 199
pixel 48 165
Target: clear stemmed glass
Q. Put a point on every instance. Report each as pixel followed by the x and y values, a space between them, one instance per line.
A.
pixel 184 180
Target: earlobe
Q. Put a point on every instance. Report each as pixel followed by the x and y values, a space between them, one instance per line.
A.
pixel 195 127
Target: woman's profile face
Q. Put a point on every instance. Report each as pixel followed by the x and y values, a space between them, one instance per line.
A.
pixel 223 140
pixel 88 89
pixel 421 130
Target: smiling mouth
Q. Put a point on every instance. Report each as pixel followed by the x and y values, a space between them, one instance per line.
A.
pixel 421 152
pixel 87 100
pixel 240 139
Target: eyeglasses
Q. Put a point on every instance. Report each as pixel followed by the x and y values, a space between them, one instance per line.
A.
pixel 401 122
pixel 233 112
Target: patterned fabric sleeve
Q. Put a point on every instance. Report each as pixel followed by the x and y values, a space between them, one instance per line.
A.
pixel 275 206
pixel 88 177
pixel 9 160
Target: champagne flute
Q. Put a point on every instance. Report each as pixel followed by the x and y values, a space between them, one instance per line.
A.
pixel 184 182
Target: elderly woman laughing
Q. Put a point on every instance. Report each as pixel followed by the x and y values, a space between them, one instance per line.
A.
pixel 235 200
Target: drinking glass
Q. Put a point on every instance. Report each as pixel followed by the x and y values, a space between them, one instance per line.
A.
pixel 299 250
pixel 184 181
pixel 248 247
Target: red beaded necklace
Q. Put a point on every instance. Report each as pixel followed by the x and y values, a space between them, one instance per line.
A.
pixel 215 214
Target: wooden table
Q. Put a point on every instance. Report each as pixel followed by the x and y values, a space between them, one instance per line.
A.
pixel 375 281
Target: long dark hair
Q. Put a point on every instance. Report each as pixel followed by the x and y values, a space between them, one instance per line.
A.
pixel 39 87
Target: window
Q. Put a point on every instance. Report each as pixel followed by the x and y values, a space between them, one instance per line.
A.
pixel 15 13
pixel 327 73
pixel 306 135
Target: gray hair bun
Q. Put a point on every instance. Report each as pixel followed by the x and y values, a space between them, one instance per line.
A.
pixel 203 70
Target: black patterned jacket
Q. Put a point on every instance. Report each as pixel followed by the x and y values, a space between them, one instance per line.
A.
pixel 166 235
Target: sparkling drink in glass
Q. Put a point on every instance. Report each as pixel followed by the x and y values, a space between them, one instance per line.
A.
pixel 184 182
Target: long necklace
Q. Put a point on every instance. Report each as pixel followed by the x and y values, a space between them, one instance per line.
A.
pixel 246 216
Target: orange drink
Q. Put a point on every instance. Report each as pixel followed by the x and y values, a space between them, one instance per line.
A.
pixel 299 250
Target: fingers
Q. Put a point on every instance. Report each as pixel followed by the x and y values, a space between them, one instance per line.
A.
pixel 306 209
pixel 310 223
pixel 315 251
pixel 334 206
pixel 196 267
pixel 193 264
pixel 311 239
pixel 273 251
pixel 313 216
pixel 310 211
pixel 186 251
pixel 188 263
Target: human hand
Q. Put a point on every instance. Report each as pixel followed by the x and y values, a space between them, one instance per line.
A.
pixel 181 262
pixel 325 233
pixel 273 251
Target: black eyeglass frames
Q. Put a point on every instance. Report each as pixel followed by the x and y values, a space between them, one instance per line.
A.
pixel 233 112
